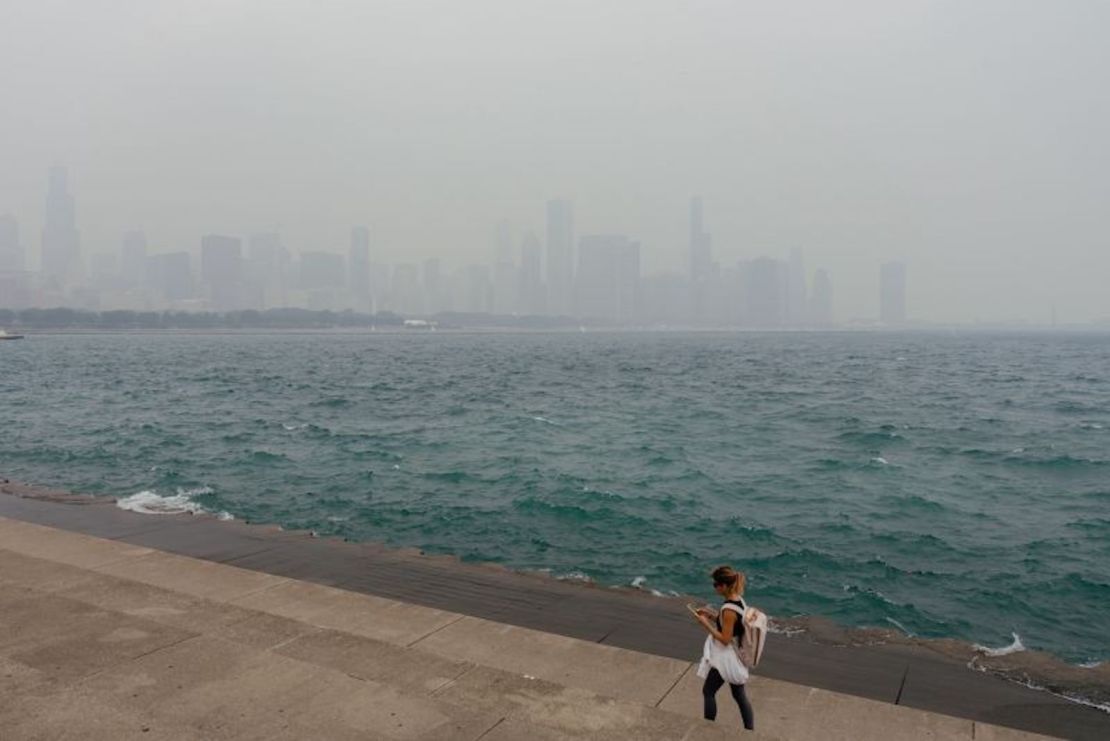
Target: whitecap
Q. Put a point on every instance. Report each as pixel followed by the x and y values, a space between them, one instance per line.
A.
pixel 545 420
pixel 1091 664
pixel 880 460
pixel 1013 648
pixel 639 582
pixel 150 502
pixel 224 515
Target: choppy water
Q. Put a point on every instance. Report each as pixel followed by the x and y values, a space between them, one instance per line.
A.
pixel 948 485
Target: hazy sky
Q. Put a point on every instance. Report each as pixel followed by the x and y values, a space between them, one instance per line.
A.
pixel 970 138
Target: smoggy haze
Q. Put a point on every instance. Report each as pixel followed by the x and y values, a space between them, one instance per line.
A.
pixel 967 139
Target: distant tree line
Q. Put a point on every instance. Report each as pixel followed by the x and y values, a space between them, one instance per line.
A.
pixel 63 318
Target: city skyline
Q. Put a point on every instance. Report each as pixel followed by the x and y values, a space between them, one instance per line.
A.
pixel 595 277
pixel 965 140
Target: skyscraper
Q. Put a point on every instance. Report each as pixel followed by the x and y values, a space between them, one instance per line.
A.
pixel 322 271
pixel 323 276
pixel 61 243
pixel 608 277
pixel 820 302
pixel 170 276
pixel 701 244
pixel 132 262
pixel 266 272
pixel 764 283
pixel 506 280
pixel 221 271
pixel 892 293
pixel 531 300
pixel 797 301
pixel 358 267
pixel 560 256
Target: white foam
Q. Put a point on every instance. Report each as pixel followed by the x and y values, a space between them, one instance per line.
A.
pixel 1091 664
pixel 639 582
pixel 1013 648
pixel 150 502
pixel 545 420
pixel 783 630
pixel 575 576
pixel 880 460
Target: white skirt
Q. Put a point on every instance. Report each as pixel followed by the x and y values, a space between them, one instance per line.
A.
pixel 725 659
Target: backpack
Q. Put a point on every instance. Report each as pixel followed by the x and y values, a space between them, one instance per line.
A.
pixel 754 622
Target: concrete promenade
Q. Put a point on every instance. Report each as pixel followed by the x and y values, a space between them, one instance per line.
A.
pixel 102 639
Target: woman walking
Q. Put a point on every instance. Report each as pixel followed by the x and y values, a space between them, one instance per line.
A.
pixel 721 659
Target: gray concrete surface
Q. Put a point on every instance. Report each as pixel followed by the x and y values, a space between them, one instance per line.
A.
pixel 408 585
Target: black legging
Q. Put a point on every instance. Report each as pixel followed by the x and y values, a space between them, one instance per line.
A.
pixel 713 683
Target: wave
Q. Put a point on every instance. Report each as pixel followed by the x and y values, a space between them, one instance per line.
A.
pixel 640 583
pixel 1014 646
pixel 899 626
pixel 150 502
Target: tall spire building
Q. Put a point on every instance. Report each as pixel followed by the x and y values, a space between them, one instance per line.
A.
pixel 701 244
pixel 61 243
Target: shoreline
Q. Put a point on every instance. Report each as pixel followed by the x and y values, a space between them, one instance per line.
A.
pixel 941 675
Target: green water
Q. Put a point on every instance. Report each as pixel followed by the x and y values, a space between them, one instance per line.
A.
pixel 946 485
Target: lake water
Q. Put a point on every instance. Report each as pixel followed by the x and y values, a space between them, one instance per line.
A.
pixel 950 485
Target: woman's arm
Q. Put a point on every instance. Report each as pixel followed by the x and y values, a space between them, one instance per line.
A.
pixel 728 625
